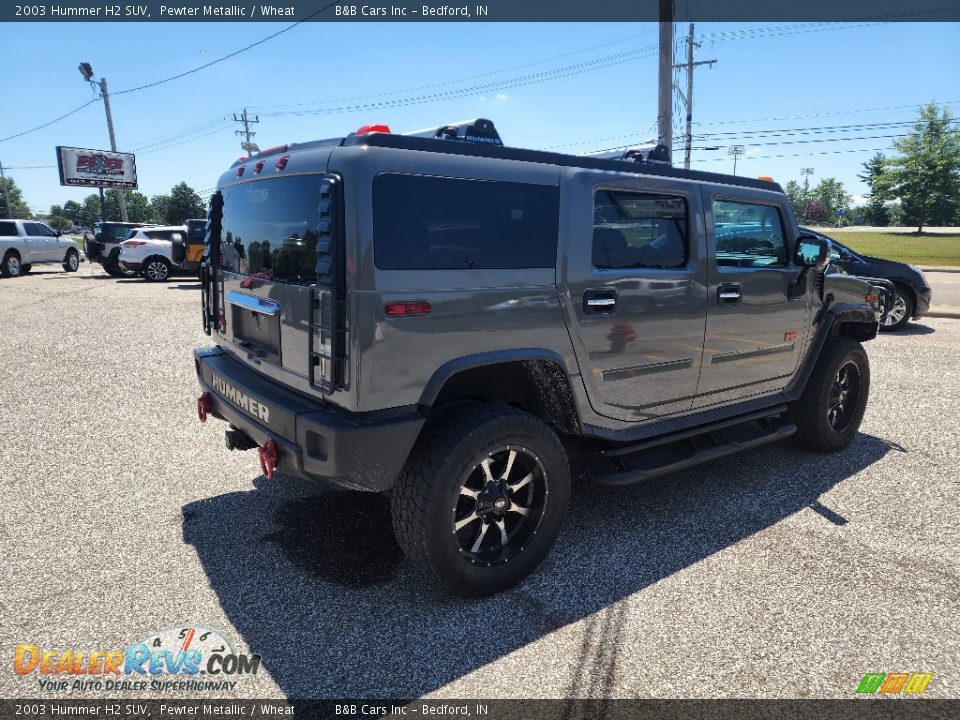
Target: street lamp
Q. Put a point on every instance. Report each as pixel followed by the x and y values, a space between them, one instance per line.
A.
pixel 87 71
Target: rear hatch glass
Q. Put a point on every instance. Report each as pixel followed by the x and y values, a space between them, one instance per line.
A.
pixel 270 228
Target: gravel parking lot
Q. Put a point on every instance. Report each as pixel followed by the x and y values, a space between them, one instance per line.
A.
pixel 776 573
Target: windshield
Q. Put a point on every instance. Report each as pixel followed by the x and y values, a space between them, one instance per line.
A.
pixel 270 227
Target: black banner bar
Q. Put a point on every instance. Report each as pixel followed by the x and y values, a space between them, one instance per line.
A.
pixel 287 11
pixel 127 709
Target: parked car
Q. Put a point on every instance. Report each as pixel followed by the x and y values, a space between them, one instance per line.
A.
pixel 25 243
pixel 103 245
pixel 912 294
pixel 154 253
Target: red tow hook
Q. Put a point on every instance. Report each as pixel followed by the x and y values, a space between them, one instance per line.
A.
pixel 204 406
pixel 268 459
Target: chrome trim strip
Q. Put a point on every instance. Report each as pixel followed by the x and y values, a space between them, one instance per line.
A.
pixel 251 302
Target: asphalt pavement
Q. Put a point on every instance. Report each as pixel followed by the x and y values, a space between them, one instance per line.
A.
pixel 775 573
pixel 946 292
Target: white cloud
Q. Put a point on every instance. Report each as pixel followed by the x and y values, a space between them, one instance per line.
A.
pixel 500 99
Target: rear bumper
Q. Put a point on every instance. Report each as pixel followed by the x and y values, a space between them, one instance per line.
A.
pixel 131 266
pixel 363 451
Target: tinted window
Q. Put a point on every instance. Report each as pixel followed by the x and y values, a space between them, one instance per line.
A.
pixel 638 230
pixel 270 226
pixel 32 229
pixel 748 234
pixel 429 223
pixel 47 231
pixel 8 229
pixel 197 232
pixel 160 234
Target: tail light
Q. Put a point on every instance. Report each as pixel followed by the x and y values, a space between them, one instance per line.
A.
pixel 132 243
pixel 204 406
pixel 420 307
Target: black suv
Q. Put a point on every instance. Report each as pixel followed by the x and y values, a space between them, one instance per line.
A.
pixel 447 320
pixel 103 245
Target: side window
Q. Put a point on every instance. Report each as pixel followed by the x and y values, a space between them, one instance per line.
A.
pixel 8 229
pixel 433 223
pixel 33 230
pixel 639 230
pixel 159 234
pixel 748 234
pixel 47 231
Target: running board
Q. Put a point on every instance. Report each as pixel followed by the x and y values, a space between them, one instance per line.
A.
pixel 681 453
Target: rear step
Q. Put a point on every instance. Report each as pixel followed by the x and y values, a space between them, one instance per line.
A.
pixel 660 456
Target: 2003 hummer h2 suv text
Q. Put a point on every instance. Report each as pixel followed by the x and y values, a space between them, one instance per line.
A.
pixel 446 319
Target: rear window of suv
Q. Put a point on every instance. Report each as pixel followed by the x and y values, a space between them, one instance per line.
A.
pixel 434 223
pixel 8 229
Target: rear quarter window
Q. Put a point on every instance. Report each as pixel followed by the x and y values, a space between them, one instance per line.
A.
pixel 433 223
pixel 8 229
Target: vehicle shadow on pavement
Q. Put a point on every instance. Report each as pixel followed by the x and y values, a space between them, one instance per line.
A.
pixel 915 329
pixel 317 586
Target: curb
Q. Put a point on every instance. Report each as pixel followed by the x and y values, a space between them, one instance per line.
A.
pixel 941 269
pixel 942 313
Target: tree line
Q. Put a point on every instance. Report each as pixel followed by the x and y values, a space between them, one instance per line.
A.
pixel 919 185
pixel 180 204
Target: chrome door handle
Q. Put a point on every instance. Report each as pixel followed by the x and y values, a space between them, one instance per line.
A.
pixel 728 294
pixel 601 302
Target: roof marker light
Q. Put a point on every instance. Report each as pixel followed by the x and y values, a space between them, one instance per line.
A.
pixel 282 162
pixel 367 129
pixel 240 170
pixel 258 167
pixel 273 151
pixel 766 177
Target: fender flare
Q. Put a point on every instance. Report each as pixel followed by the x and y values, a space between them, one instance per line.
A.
pixel 468 362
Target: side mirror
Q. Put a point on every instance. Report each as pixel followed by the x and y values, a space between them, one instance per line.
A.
pixel 811 251
pixel 58 232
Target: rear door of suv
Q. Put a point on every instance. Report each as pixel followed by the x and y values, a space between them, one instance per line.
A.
pixel 636 278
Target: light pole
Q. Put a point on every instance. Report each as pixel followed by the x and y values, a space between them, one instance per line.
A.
pixel 735 151
pixel 87 73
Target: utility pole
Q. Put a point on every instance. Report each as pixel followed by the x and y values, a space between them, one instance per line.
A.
pixel 247 121
pixel 6 192
pixel 688 98
pixel 113 146
pixel 664 81
pixel 735 151
pixel 87 73
pixel 806 172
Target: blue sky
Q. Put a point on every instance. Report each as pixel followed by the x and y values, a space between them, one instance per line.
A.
pixel 570 86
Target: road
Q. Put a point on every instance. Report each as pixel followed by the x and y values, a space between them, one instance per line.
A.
pixel 776 573
pixel 946 289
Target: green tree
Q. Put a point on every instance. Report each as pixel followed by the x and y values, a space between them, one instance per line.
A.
pixel 160 205
pixel 796 196
pixel 875 211
pixel 12 204
pixel 184 203
pixel 73 211
pixel 925 175
pixel 59 222
pixel 830 193
pixel 91 210
pixel 139 208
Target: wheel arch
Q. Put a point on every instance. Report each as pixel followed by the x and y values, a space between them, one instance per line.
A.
pixel 530 379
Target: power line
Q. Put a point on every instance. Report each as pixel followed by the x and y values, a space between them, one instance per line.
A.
pixel 228 56
pixel 51 122
pixel 457 80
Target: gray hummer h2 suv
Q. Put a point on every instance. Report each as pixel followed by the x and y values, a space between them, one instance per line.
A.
pixel 447 319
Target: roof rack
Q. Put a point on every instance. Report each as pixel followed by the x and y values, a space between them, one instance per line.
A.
pixel 658 154
pixel 481 131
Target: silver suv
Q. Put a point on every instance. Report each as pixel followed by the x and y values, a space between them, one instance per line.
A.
pixel 447 319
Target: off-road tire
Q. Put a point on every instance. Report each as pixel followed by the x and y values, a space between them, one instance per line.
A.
pixel 71 262
pixel 425 499
pixel 24 269
pixel 151 269
pixel 10 267
pixel 907 308
pixel 812 413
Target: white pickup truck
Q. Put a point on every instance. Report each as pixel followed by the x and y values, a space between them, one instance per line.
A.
pixel 25 243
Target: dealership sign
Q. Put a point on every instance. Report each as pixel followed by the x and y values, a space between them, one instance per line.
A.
pixel 96 168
